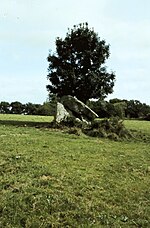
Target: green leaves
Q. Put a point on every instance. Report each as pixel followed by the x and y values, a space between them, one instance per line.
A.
pixel 77 67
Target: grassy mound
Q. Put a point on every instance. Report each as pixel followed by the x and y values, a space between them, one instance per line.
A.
pixel 107 128
pixel 113 128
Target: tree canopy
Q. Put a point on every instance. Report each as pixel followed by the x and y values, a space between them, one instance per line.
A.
pixel 77 68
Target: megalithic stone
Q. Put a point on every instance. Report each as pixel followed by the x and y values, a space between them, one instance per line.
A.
pixel 61 113
pixel 71 107
pixel 77 106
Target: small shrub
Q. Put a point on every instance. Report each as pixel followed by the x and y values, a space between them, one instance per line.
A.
pixel 113 136
pixel 71 122
pixel 147 117
pixel 74 130
pixel 108 128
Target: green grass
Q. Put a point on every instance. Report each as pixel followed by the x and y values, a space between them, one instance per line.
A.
pixel 53 179
pixel 143 126
pixel 140 129
pixel 25 120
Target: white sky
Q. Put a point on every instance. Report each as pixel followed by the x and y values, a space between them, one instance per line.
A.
pixel 28 29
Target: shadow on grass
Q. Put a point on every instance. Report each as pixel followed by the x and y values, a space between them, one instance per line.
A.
pixel 19 123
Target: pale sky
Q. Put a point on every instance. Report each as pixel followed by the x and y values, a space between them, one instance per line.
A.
pixel 28 29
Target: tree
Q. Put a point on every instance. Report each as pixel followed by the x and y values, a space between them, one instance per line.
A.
pixel 136 109
pixel 77 68
pixel 52 100
pixel 101 107
pixel 120 108
pixel 4 107
pixel 44 109
pixel 17 108
pixel 31 109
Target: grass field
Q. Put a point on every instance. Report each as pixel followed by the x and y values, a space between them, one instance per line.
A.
pixel 53 179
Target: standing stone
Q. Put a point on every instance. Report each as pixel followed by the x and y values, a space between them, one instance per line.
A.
pixel 61 113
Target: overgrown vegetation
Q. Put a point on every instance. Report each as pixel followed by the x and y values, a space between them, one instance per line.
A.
pixel 112 128
pixel 52 179
pixel 108 128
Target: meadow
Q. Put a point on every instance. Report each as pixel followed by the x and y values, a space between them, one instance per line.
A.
pixel 50 178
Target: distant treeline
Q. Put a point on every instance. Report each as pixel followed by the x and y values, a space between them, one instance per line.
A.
pixel 45 109
pixel 114 107
pixel 122 108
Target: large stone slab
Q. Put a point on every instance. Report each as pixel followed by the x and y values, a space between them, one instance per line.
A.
pixel 78 107
pixel 72 107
